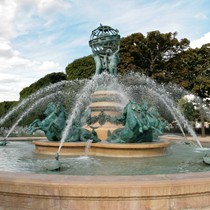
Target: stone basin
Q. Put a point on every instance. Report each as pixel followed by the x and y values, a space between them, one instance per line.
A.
pixel 151 149
pixel 151 192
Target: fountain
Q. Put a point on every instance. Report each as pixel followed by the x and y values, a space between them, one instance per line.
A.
pixel 128 165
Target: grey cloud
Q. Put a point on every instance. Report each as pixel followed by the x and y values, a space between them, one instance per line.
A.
pixel 8 80
pixel 6 53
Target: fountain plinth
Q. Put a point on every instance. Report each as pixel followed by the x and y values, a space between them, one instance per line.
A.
pixel 105 103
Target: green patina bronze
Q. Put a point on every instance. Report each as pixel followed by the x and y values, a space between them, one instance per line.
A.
pixel 141 124
pixel 105 45
pixel 78 133
pixel 53 124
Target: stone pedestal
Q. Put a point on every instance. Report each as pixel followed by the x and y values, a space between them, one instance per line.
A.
pixel 109 102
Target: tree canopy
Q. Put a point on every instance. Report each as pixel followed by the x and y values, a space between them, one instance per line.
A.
pixel 81 68
pixel 43 82
pixel 151 54
pixel 191 69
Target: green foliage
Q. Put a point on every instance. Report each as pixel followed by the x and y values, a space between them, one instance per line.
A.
pixel 188 109
pixel 131 54
pixel 200 70
pixel 43 82
pixel 81 68
pixel 191 69
pixel 4 108
pixel 166 59
pixel 151 54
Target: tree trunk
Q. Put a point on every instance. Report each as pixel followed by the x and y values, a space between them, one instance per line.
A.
pixel 203 133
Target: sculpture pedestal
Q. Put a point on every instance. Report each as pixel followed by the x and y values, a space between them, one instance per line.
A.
pixel 109 102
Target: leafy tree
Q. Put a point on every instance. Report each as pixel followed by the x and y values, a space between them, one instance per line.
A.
pixel 200 68
pixel 4 108
pixel 151 54
pixel 191 69
pixel 81 68
pixel 193 111
pixel 131 57
pixel 43 82
pixel 188 109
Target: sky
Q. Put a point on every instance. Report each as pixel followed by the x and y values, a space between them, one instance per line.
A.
pixel 38 37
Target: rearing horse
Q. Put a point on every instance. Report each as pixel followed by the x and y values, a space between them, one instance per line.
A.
pixel 53 124
pixel 140 122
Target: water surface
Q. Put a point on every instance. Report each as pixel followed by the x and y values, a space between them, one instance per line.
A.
pixel 19 156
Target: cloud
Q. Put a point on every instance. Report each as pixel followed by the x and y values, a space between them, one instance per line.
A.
pixel 201 16
pixel 17 72
pixel 11 58
pixel 24 51
pixel 201 41
pixel 7 17
pixel 9 87
pixel 52 6
pixel 8 78
pixel 48 66
pixel 5 49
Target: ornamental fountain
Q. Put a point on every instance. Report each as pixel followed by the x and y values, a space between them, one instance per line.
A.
pixel 148 175
pixel 110 117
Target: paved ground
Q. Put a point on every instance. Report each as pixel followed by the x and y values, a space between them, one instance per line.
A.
pixel 175 137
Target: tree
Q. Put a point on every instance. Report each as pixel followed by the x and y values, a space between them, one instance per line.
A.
pixel 200 83
pixel 191 69
pixel 151 54
pixel 81 68
pixel 4 107
pixel 43 82
pixel 188 109
pixel 131 54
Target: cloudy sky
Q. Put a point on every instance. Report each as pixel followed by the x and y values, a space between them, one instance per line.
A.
pixel 38 37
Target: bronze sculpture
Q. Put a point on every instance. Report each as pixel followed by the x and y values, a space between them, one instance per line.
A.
pixel 53 124
pixel 105 45
pixel 141 124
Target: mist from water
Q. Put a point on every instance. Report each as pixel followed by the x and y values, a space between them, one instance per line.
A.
pixel 39 94
pixel 26 112
pixel 101 81
pixel 132 86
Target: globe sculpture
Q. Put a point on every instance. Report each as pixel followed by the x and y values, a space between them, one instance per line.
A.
pixel 105 45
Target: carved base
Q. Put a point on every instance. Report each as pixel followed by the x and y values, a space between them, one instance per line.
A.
pixel 109 102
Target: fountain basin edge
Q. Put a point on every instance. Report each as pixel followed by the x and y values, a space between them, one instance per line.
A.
pixel 155 192
pixel 150 149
